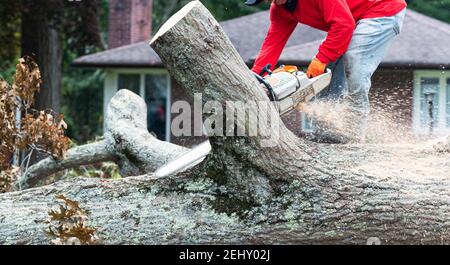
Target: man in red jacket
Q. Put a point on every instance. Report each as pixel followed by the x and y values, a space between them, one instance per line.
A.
pixel 359 34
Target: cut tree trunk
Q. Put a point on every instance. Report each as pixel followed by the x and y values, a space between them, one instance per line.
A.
pixel 199 55
pixel 244 191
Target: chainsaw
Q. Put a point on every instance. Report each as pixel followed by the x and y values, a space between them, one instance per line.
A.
pixel 287 87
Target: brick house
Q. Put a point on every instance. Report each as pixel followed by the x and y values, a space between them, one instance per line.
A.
pixel 415 66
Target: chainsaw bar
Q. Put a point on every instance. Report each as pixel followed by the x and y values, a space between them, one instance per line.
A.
pixel 285 106
pixel 305 92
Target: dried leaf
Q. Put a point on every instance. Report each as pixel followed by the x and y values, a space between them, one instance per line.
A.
pixel 40 130
pixel 7 178
pixel 68 224
pixel 27 80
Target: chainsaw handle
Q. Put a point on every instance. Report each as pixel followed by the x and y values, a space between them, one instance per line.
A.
pixel 266 69
pixel 267 85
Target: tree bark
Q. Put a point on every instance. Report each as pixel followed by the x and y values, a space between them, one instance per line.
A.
pixel 190 209
pixel 243 192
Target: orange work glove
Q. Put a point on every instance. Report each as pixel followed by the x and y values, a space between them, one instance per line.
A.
pixel 316 68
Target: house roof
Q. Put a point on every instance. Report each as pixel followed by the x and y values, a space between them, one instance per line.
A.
pixel 422 43
pixel 134 55
pixel 246 33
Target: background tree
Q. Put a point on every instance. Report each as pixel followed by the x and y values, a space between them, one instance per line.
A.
pixel 49 31
pixel 439 9
pixel 44 26
pixel 222 10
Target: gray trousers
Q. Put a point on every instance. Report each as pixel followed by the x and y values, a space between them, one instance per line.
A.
pixel 353 71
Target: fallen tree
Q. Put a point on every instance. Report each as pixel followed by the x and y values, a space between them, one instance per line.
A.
pixel 244 191
pixel 127 142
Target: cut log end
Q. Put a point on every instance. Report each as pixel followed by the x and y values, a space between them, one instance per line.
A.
pixel 174 20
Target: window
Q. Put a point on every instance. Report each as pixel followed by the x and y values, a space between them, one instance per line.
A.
pixel 154 87
pixel 432 102
pixel 156 98
pixel 429 102
pixel 130 82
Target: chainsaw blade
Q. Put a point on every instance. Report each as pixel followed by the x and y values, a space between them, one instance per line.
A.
pixel 308 89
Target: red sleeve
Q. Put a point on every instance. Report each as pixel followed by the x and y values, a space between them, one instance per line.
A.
pixel 281 27
pixel 342 24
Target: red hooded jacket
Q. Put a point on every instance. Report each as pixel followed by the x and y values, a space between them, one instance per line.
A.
pixel 337 17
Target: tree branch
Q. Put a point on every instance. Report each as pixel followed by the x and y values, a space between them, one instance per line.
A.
pixel 78 156
pixel 127 143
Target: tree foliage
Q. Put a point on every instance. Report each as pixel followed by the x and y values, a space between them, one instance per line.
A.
pixel 79 27
pixel 439 9
pixel 9 37
pixel 222 10
pixel 82 100
pixel 77 20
